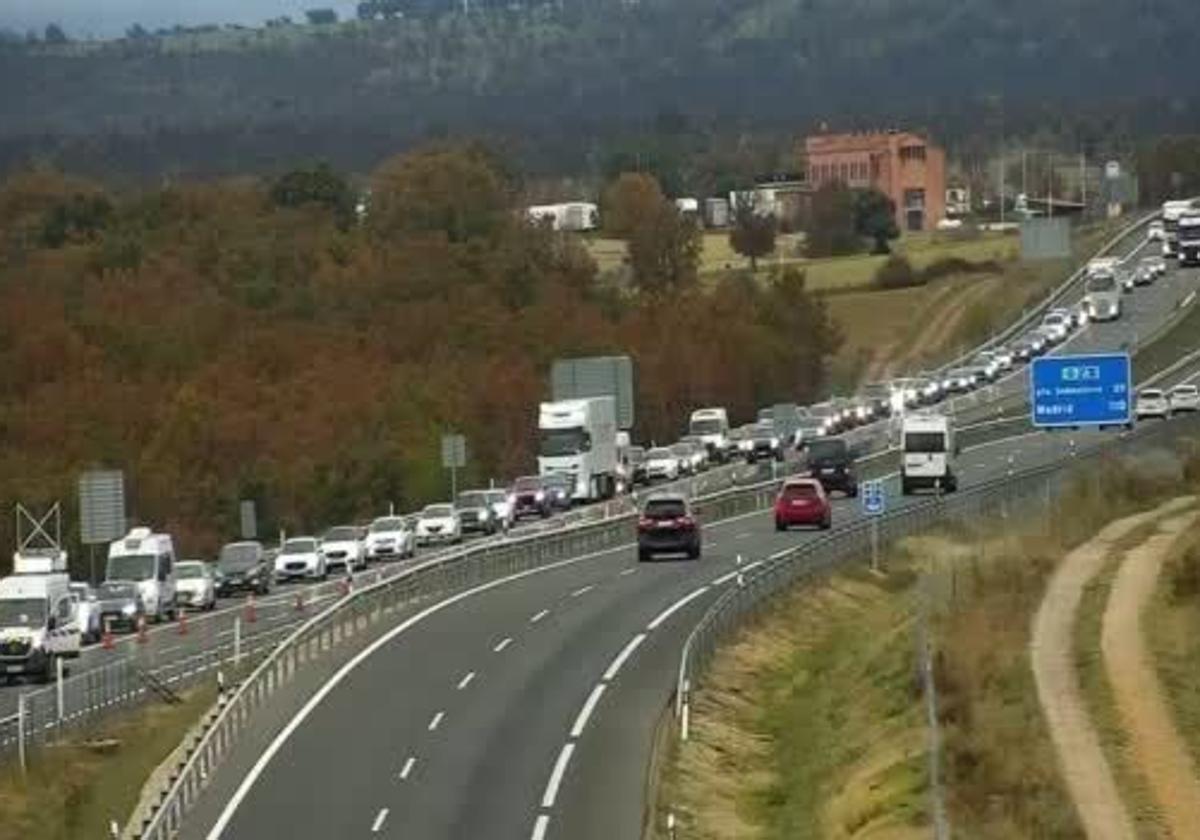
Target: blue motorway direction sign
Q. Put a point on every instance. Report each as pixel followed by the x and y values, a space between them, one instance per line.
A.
pixel 874 498
pixel 1092 390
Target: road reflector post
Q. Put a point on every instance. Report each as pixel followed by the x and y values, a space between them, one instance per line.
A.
pixel 299 602
pixel 106 638
pixel 183 622
pixel 251 610
pixel 141 629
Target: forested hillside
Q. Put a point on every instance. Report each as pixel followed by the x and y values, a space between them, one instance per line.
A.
pixel 251 340
pixel 565 86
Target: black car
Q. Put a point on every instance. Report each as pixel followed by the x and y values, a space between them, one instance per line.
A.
pixel 668 526
pixel 528 498
pixel 475 512
pixel 559 488
pixel 243 567
pixel 831 462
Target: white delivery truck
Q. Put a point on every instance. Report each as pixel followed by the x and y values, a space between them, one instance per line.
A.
pixel 37 615
pixel 928 452
pixel 146 560
pixel 711 425
pixel 579 438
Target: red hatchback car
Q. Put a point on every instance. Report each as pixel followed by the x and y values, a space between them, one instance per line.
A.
pixel 802 501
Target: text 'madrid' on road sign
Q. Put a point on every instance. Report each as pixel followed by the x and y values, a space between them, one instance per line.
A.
pixel 1091 390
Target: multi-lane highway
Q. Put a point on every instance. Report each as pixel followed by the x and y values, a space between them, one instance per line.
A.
pixel 526 709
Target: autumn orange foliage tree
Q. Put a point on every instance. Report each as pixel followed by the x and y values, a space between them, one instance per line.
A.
pixel 217 344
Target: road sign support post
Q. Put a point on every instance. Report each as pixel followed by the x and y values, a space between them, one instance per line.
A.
pixel 875 544
pixel 454 458
pixel 58 685
pixel 874 504
pixel 21 731
pixel 237 640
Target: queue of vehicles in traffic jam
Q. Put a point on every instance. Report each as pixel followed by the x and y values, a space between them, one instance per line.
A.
pixel 583 457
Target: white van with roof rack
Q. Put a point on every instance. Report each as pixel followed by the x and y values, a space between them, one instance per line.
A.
pixel 38 623
pixel 146 560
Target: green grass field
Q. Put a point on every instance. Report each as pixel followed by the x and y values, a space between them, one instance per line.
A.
pixel 74 790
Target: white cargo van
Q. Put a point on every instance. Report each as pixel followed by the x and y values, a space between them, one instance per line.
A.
pixel 37 615
pixel 928 453
pixel 711 425
pixel 147 560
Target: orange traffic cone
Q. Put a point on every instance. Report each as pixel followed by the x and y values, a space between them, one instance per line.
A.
pixel 251 611
pixel 141 629
pixel 182 623
pixel 106 638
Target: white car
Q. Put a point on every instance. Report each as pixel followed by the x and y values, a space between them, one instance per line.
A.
pixel 1152 402
pixel 1184 398
pixel 662 465
pixel 343 546
pixel 502 508
pixel 1056 327
pixel 195 586
pixel 438 524
pixel 301 558
pixel 390 538
pixel 87 611
pixel 1157 232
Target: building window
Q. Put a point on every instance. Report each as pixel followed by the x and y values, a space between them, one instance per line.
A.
pixel 914 199
pixel 912 153
pixel 845 170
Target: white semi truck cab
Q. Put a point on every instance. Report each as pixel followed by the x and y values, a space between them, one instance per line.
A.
pixel 928 452
pixel 579 438
pixel 146 560
pixel 1187 235
pixel 37 615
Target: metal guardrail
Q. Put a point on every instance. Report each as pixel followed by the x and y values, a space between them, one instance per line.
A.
pixel 357 614
pixel 816 558
pixel 81 698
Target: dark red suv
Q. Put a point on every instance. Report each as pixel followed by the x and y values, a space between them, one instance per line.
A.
pixel 668 526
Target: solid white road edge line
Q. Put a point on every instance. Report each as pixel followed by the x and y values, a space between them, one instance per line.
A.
pixel 307 709
pixel 556 776
pixel 678 605
pixel 586 712
pixel 620 658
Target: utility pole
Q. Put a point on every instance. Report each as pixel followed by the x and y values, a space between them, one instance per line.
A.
pixel 1024 172
pixel 1083 181
pixel 1003 165
pixel 1049 185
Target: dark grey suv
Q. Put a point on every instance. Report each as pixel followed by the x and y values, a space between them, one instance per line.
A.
pixel 668 526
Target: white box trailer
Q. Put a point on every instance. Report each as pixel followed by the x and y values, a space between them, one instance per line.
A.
pixel 579 438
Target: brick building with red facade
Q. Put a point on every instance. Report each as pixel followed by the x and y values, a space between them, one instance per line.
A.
pixel 906 167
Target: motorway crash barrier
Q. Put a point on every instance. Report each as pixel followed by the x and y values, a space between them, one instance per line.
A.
pixel 327 639
pixel 813 561
pixel 83 698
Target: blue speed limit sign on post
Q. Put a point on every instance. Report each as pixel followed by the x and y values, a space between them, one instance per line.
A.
pixel 874 498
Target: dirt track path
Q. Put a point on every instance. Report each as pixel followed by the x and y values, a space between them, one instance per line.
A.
pixel 1085 770
pixel 1161 754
